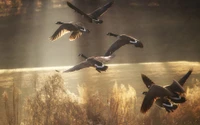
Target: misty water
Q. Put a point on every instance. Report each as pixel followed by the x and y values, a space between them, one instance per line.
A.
pixel 170 35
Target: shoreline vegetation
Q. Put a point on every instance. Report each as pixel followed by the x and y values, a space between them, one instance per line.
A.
pixel 16 7
pixel 53 104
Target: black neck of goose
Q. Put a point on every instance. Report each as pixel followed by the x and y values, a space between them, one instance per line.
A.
pixel 112 34
pixel 85 57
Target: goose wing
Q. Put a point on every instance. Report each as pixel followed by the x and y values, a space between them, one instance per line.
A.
pixel 175 87
pixel 62 30
pixel 81 65
pixel 116 45
pixel 101 10
pixel 154 92
pixel 80 12
pixel 104 59
pixel 185 77
pixel 75 35
pixel 147 81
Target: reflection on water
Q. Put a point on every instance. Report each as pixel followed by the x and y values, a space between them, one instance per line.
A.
pixel 16 7
pixel 165 31
pixel 127 74
pixel 162 72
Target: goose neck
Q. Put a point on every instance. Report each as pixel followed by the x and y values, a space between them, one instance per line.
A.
pixel 85 57
pixel 112 34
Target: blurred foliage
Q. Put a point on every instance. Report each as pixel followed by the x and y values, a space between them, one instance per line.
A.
pixel 54 104
pixel 11 116
pixel 14 7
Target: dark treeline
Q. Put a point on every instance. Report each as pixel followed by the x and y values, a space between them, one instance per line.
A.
pixel 8 7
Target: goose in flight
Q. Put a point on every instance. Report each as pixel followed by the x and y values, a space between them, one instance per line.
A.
pixel 161 102
pixel 76 28
pixel 176 87
pixel 155 92
pixel 96 62
pixel 122 40
pixel 178 90
pixel 93 16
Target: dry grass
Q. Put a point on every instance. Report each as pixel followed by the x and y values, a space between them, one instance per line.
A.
pixel 53 104
pixel 189 112
pixel 11 107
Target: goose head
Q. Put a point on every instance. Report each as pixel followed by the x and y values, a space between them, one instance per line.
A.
pixel 102 69
pixel 178 99
pixel 109 34
pixel 59 22
pixel 83 56
pixel 84 30
pixel 169 108
pixel 98 21
pixel 112 34
pixel 80 54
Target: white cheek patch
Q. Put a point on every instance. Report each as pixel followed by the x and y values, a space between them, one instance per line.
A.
pixel 176 98
pixel 84 30
pixel 167 105
pixel 95 20
pixel 133 41
pixel 99 66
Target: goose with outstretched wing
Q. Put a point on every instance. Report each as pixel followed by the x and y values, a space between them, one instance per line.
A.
pixel 77 30
pixel 155 92
pixel 122 40
pixel 161 102
pixel 96 62
pixel 177 88
pixel 93 16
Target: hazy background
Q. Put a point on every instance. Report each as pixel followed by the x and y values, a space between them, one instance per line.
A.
pixel 168 29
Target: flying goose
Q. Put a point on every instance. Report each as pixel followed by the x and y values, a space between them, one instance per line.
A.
pixel 178 90
pixel 155 92
pixel 96 62
pixel 165 103
pixel 161 102
pixel 94 16
pixel 76 28
pixel 122 40
pixel 176 87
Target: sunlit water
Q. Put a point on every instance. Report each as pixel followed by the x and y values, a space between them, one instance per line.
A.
pixel 162 73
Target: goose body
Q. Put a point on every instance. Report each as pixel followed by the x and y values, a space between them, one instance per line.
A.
pixel 93 16
pixel 155 92
pixel 76 28
pixel 175 88
pixel 122 40
pixel 165 103
pixel 96 62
